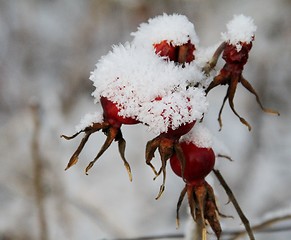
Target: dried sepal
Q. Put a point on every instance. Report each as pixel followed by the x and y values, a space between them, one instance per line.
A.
pixel 151 147
pixel 121 147
pixel 112 134
pixel 203 207
pixel 250 88
pixel 166 147
pixel 179 203
pixel 88 131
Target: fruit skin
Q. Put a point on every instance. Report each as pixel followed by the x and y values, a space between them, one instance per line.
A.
pixel 178 132
pixel 165 49
pixel 235 60
pixel 110 114
pixel 180 54
pixel 199 162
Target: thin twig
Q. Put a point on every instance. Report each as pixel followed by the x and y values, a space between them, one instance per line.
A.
pixel 166 236
pixel 224 233
pixel 213 61
pixel 262 226
pixel 38 172
pixel 235 204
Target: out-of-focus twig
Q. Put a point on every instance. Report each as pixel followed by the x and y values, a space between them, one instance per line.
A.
pixel 263 225
pixel 38 171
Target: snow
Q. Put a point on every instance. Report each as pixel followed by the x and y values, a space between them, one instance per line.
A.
pixel 200 136
pixel 174 110
pixel 241 29
pixel 134 78
pixel 174 28
pixel 88 120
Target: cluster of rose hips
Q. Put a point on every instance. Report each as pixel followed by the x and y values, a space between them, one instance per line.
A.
pixel 175 143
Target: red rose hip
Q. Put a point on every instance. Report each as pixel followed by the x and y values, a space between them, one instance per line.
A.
pixel 199 162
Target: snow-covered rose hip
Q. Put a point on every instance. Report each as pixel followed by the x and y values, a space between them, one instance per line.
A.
pixel 110 123
pixel 235 51
pixel 171 36
pixel 111 93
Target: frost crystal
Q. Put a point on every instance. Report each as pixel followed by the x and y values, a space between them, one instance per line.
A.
pixel 175 28
pixel 200 136
pixel 239 29
pixel 88 120
pixel 134 78
pixel 174 110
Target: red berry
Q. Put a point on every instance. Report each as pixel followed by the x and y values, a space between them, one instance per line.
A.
pixel 110 113
pixel 178 132
pixel 181 54
pixel 165 49
pixel 198 163
pixel 232 56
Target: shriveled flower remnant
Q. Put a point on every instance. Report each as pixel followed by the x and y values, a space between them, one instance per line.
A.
pixel 158 80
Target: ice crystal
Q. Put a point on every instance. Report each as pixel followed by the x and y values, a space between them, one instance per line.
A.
pixel 240 29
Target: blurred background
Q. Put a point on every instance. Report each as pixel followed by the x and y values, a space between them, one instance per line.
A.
pixel 47 50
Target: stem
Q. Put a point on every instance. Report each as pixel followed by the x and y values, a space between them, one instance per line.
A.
pixel 37 172
pixel 213 61
pixel 263 225
pixel 235 204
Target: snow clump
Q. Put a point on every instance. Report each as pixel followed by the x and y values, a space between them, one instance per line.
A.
pixel 174 28
pixel 200 136
pixel 241 29
pixel 88 120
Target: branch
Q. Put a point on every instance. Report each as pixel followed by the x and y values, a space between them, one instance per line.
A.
pixel 38 171
pixel 235 204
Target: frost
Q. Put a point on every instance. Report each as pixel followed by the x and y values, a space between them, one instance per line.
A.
pixel 175 28
pixel 134 78
pixel 174 110
pixel 239 29
pixel 88 120
pixel 200 136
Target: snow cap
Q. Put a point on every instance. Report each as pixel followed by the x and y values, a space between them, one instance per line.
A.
pixel 88 120
pixel 240 29
pixel 200 136
pixel 174 28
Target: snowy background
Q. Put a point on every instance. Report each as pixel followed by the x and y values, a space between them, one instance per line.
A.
pixel 47 50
